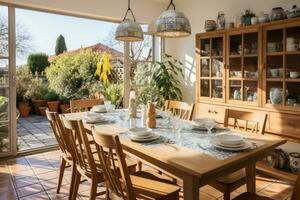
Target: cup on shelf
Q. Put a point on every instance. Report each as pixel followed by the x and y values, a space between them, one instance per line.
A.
pixel 273 47
pixel 274 72
pixel 294 162
pixel 294 74
pixel 291 102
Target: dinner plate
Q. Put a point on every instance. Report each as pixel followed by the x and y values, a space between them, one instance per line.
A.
pixel 231 145
pixel 247 145
pixel 150 135
pixel 95 121
pixel 155 136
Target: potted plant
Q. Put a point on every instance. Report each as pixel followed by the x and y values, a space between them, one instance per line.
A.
pixel 114 93
pixel 52 100
pixel 36 92
pixel 246 17
pixel 65 105
pixel 24 109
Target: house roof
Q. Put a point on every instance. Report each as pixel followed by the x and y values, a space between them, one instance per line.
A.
pixel 115 54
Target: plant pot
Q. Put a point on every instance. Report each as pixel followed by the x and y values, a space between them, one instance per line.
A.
pixel 37 104
pixel 43 110
pixel 24 109
pixel 22 104
pixel 64 108
pixel 53 105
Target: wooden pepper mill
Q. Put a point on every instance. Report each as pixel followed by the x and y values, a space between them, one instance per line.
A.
pixel 151 116
pixel 132 105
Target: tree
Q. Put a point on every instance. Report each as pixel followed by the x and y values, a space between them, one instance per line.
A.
pixel 23 38
pixel 60 45
pixel 37 62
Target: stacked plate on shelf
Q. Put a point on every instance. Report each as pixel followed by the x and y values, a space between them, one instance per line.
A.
pixel 142 135
pixel 93 118
pixel 231 142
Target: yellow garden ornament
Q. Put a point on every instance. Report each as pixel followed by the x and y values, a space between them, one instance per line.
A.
pixel 104 68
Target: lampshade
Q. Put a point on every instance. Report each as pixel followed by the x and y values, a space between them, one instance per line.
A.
pixel 129 30
pixel 172 23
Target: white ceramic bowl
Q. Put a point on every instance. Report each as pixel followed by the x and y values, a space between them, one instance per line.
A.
pixel 140 131
pixel 230 139
pixel 294 74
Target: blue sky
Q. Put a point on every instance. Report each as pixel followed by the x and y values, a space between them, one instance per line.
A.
pixel 44 28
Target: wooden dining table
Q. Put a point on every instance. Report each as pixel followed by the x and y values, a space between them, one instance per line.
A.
pixel 195 168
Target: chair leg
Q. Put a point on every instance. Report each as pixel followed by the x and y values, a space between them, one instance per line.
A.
pixel 71 189
pixel 93 191
pixel 227 195
pixel 61 174
pixel 76 185
pixel 140 165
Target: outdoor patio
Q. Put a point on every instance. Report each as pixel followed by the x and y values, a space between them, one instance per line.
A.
pixel 34 132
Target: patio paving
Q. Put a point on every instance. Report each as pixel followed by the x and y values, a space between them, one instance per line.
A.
pixel 34 132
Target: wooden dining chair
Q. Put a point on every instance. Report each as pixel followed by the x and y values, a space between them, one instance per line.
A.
pixel 253 196
pixel 245 122
pixel 82 105
pixel 140 185
pixel 63 143
pixel 182 109
pixel 87 164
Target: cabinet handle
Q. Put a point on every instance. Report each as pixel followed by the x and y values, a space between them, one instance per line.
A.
pixel 209 111
pixel 215 112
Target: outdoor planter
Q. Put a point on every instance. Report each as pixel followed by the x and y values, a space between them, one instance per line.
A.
pixel 24 109
pixel 37 104
pixel 43 110
pixel 53 105
pixel 64 108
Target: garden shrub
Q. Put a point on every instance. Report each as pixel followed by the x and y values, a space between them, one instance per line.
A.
pixel 70 74
pixel 37 90
pixel 23 80
pixel 37 62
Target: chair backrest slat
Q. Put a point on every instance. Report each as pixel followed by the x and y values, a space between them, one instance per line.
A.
pixel 246 121
pixel 80 144
pixel 181 109
pixel 109 163
pixel 59 132
pixel 83 105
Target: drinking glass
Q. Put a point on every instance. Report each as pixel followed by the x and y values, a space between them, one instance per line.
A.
pixel 176 129
pixel 107 105
pixel 125 116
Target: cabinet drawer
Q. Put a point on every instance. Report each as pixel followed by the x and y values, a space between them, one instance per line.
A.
pixel 213 111
pixel 285 124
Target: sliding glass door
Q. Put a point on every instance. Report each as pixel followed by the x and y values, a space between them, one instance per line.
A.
pixel 7 104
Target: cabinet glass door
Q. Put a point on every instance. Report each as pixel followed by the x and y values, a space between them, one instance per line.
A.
pixel 212 68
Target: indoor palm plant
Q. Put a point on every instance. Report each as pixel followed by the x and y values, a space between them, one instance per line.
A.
pixel 160 81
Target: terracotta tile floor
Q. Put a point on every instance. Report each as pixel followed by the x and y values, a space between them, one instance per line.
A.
pixel 35 177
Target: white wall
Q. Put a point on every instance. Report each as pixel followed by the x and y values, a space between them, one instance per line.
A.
pixel 114 10
pixel 200 10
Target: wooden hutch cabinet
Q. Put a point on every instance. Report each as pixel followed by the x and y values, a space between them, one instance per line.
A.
pixel 254 68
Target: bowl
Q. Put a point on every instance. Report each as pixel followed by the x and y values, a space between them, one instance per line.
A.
pixel 230 139
pixel 294 74
pixel 140 131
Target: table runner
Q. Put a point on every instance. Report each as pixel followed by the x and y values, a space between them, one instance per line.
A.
pixel 194 139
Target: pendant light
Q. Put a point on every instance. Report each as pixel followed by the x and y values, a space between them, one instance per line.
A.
pixel 172 23
pixel 129 30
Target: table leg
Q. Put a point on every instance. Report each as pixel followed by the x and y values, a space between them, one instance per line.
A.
pixel 190 188
pixel 250 178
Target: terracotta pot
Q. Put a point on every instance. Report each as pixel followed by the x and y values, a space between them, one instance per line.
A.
pixel 64 108
pixel 43 110
pixel 24 109
pixel 37 104
pixel 53 105
pixel 23 104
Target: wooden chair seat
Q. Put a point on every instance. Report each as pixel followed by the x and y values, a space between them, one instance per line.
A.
pixel 148 186
pixel 233 177
pixel 251 196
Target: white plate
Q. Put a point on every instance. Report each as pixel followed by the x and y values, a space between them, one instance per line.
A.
pixel 246 146
pixel 150 135
pixel 230 145
pixel 140 132
pixel 154 137
pixel 94 121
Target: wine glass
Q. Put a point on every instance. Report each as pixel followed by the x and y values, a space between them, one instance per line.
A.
pixel 125 116
pixel 209 124
pixel 166 115
pixel 107 105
